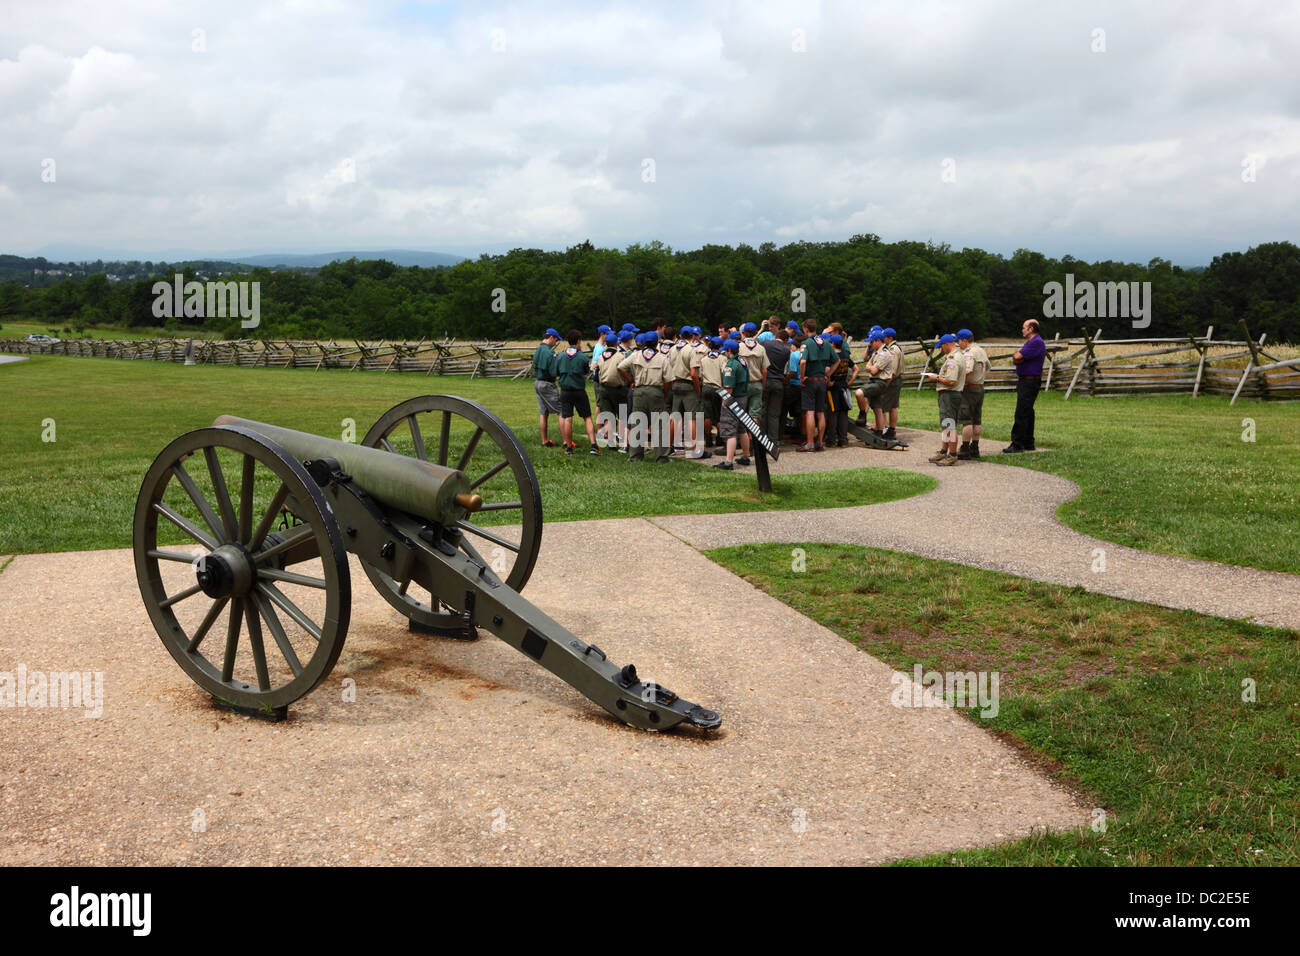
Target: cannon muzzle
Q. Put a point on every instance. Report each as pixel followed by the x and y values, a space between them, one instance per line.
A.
pixel 420 488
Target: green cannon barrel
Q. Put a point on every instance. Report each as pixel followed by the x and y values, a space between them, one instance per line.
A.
pixel 421 488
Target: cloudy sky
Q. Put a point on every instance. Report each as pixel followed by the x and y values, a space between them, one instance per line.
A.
pixel 1102 130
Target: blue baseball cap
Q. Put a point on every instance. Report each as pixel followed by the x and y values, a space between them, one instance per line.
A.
pixel 965 334
pixel 629 327
pixel 624 336
pixel 946 338
pixel 889 333
pixel 731 345
pixel 715 342
pixel 837 339
pixel 749 327
pixel 651 338
pixel 792 324
pixel 602 328
pixel 550 332
pixel 640 338
pixel 876 337
pixel 734 336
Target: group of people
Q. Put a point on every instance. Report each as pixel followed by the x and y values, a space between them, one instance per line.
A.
pixel 657 389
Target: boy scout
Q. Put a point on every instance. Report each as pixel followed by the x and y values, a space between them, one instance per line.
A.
pixel 881 365
pixel 889 401
pixel 750 351
pixel 571 368
pixel 735 379
pixel 613 391
pixel 837 401
pixel 548 396
pixel 977 366
pixel 646 370
pixel 711 365
pixel 949 382
pixel 684 362
pixel 818 361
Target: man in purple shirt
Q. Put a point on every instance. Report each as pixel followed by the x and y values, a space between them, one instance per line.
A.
pixel 1029 371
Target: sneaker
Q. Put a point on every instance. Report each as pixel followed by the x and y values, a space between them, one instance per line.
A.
pixel 742 460
pixel 819 447
pixel 938 456
pixel 861 419
pixel 803 448
pixel 568 449
pixel 548 444
pixel 889 433
pixel 841 444
pixel 662 459
pixel 724 465
pixel 594 450
pixel 622 449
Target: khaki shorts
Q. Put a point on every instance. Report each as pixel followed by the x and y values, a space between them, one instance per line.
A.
pixel 950 410
pixel 972 405
pixel 685 399
pixel 889 400
pixel 728 425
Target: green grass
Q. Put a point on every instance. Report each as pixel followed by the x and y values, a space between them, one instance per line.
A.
pixel 113 417
pixel 1165 473
pixel 1137 707
pixel 21 328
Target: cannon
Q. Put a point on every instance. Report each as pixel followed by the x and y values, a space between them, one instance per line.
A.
pixel 266 517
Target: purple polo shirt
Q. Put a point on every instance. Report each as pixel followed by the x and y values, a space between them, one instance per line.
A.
pixel 1032 352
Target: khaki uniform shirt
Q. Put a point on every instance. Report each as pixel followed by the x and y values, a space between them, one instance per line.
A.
pixel 977 365
pixel 901 364
pixel 711 366
pixel 647 367
pixel 752 353
pixel 886 361
pixel 683 359
pixel 607 368
pixel 952 367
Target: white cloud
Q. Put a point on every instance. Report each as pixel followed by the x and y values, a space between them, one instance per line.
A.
pixel 492 125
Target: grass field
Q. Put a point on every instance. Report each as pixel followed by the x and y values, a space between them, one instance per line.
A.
pixel 1137 707
pixel 21 328
pixel 1167 473
pixel 111 419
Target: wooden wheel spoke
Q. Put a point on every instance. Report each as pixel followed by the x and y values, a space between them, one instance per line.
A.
pixel 232 640
pixel 469 449
pixel 288 577
pixel 246 498
pixel 222 493
pixel 264 526
pixel 255 643
pixel 206 625
pixel 292 539
pixel 270 591
pixel 490 474
pixel 495 538
pixel 277 632
pixel 200 502
pixel 388 446
pixel 171 556
pixel 418 438
pixel 186 525
pixel 180 596
pixel 444 437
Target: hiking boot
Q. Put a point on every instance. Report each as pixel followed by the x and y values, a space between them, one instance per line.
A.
pixel 947 460
pixel 861 419
pixel 742 460
pixel 1012 450
pixel 963 453
pixel 938 456
pixel 889 433
pixel 974 449
pixel 724 465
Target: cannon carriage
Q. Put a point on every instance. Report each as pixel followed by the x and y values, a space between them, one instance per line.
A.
pixel 438 502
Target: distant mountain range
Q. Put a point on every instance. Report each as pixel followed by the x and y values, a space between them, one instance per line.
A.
pixel 74 253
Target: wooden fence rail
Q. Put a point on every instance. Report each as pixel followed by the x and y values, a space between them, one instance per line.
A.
pixel 1194 364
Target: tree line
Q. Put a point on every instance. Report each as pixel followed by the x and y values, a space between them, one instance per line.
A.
pixel 918 288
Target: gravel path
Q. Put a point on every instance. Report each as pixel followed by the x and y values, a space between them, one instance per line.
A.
pixel 469 753
pixel 1010 525
pixel 6 359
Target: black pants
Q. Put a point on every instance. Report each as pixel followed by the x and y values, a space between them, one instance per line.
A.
pixel 1022 432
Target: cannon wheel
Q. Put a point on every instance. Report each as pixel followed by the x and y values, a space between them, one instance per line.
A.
pixel 425 427
pixel 237 572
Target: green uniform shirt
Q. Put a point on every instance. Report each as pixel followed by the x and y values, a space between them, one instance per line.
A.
pixel 735 378
pixel 544 363
pixel 846 363
pixel 818 354
pixel 571 367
